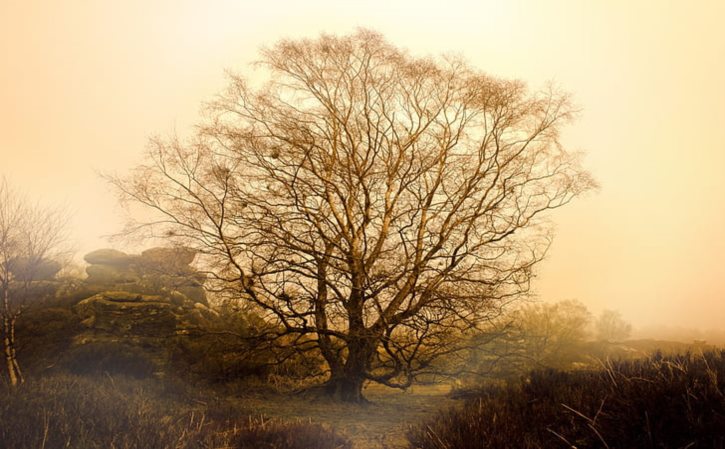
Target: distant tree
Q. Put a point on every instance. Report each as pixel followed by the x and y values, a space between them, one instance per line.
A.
pixel 610 326
pixel 30 238
pixel 374 206
pixel 539 335
pixel 553 333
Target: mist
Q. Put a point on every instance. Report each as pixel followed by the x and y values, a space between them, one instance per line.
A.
pixel 84 87
pixel 102 106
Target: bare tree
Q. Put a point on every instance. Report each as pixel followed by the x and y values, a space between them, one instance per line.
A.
pixel 30 237
pixel 373 206
pixel 611 327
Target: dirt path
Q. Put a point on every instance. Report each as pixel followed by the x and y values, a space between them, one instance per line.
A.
pixel 378 425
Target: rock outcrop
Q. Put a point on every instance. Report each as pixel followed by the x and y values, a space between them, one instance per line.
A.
pixel 140 315
pixel 140 301
pixel 152 325
pixel 108 256
pixel 139 318
pixel 154 271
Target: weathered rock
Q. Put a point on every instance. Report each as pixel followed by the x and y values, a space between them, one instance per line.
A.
pixel 155 271
pixel 133 315
pixel 205 310
pixel 169 256
pixel 109 274
pixel 194 293
pixel 179 299
pixel 118 331
pixel 108 256
pixel 125 314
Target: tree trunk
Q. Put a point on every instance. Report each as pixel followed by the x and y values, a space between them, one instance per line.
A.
pixel 347 388
pixel 347 383
pixel 11 361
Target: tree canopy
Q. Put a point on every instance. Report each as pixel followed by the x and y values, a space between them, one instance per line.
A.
pixel 374 206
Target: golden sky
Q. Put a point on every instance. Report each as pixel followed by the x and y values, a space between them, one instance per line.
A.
pixel 84 83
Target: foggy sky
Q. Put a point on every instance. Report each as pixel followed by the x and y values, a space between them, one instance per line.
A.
pixel 84 84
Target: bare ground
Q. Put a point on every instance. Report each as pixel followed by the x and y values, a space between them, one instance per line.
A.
pixel 381 424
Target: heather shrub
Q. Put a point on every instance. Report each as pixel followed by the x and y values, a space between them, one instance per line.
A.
pixel 659 402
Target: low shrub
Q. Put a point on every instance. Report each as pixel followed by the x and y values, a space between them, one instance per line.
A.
pixel 660 402
pixel 44 335
pixel 112 358
pixel 216 358
pixel 68 411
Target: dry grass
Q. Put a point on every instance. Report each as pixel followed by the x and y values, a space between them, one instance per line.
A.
pixel 672 402
pixel 67 411
pixel 122 412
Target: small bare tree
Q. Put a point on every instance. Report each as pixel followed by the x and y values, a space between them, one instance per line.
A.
pixel 30 240
pixel 611 327
pixel 373 206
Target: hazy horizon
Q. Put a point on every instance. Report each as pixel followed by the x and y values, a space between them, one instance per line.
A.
pixel 84 85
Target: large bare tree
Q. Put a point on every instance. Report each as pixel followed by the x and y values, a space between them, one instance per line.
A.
pixel 373 206
pixel 31 237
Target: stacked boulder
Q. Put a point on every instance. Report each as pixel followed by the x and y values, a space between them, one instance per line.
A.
pixel 142 300
pixel 154 271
